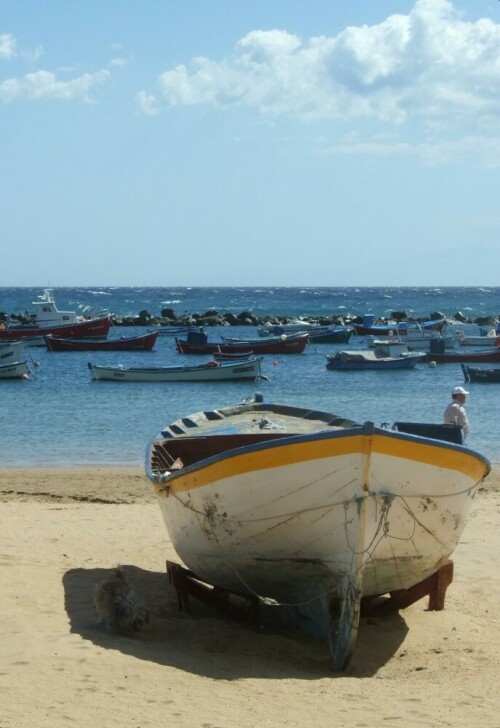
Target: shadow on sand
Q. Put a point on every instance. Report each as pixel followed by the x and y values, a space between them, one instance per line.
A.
pixel 206 642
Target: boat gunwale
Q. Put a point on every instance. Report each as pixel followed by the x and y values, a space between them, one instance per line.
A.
pixel 357 430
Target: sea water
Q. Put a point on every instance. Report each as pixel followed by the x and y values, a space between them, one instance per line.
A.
pixel 62 417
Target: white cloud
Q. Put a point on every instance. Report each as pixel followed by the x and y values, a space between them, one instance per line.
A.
pixel 147 104
pixel 118 62
pixel 478 151
pixel 429 64
pixel 7 45
pixel 45 85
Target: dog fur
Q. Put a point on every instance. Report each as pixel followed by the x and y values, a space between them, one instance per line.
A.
pixel 119 607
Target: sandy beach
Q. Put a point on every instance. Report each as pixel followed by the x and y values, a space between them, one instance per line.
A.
pixel 63 530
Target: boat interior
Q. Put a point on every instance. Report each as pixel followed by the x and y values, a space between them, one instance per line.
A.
pixel 175 454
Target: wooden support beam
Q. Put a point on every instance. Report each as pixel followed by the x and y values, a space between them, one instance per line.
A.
pixel 434 586
pixel 187 584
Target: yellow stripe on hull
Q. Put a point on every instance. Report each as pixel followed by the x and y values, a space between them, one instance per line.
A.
pixel 311 450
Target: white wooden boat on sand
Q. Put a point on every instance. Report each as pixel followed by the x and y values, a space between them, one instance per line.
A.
pixel 211 371
pixel 310 510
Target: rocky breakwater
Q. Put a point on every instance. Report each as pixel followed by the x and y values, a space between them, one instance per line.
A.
pixel 212 317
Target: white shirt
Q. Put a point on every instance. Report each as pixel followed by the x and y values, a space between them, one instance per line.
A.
pixel 455 414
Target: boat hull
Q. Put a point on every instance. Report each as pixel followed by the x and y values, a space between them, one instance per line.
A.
pixel 288 524
pixel 335 336
pixel 424 341
pixel 98 327
pixel 13 352
pixel 210 372
pixel 337 363
pixel 16 370
pixel 488 341
pixel 401 330
pixel 290 345
pixel 310 520
pixel 459 357
pixel 484 376
pixel 134 343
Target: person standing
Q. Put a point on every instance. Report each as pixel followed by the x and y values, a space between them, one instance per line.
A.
pixel 455 413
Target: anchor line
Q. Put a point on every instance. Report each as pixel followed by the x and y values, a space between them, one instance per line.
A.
pixel 268 601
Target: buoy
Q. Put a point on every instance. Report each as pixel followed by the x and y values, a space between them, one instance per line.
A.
pixel 283 337
pixel 275 363
pixel 432 364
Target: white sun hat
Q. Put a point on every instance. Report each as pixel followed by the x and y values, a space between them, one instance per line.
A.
pixel 459 390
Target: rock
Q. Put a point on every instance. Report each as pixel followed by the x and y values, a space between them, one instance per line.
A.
pixel 437 315
pixel 247 318
pixel 399 316
pixel 485 321
pixel 231 319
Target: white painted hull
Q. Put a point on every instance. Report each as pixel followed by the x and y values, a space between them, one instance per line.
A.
pixel 10 353
pixel 489 341
pixel 283 529
pixel 16 370
pixel 201 373
pixel 420 341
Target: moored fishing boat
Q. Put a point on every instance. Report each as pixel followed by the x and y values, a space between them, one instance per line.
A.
pixel 211 371
pixel 317 334
pixel 145 342
pixel 419 340
pixel 47 319
pixel 15 370
pixel 292 327
pixel 175 330
pixel 463 356
pixel 198 344
pixel 370 328
pixel 12 351
pixel 231 356
pixel 310 509
pixel 386 354
pixel 491 338
pixel 477 374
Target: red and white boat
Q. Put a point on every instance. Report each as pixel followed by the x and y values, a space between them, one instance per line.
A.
pixel 197 343
pixel 47 319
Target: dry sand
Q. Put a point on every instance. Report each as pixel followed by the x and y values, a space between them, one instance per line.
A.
pixel 63 530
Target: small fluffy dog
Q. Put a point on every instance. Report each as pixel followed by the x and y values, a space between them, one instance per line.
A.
pixel 119 607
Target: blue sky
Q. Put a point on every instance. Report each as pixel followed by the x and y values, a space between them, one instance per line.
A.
pixel 188 142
